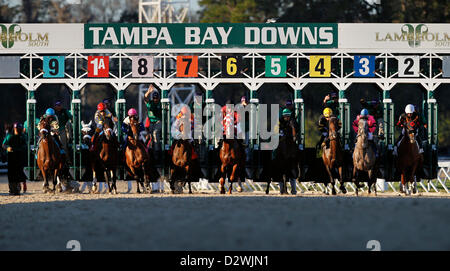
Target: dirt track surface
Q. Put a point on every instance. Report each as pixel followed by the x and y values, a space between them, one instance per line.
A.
pixel 245 221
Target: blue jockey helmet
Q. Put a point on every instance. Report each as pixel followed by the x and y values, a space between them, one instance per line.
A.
pixel 364 112
pixel 50 112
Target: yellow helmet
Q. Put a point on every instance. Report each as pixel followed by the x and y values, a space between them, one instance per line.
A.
pixel 327 112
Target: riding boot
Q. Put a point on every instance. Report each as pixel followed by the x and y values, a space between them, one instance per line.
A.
pixel 399 139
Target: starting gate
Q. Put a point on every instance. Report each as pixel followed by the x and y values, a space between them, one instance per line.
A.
pixel 213 54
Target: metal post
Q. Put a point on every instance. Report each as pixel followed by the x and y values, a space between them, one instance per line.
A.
pixel 76 135
pixel 344 108
pixel 165 126
pixel 254 142
pixel 31 135
pixel 120 113
pixel 432 135
pixel 387 147
pixel 300 117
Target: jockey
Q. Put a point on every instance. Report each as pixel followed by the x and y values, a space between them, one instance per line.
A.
pixel 372 126
pixel 54 127
pixel 286 124
pixel 126 129
pixel 100 116
pixel 375 109
pixel 154 114
pixel 178 132
pixel 411 113
pixel 230 121
pixel 323 127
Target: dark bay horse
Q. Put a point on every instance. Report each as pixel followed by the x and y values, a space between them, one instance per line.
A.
pixel 137 158
pixel 409 159
pixel 364 160
pixel 284 164
pixel 232 158
pixel 49 157
pixel 107 156
pixel 182 166
pixel 333 157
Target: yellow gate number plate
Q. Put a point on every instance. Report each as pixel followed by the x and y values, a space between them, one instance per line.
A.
pixel 320 66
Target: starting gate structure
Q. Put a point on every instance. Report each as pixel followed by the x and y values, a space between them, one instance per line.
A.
pixel 211 54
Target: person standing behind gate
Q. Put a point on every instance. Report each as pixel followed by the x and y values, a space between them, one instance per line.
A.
pixel 15 144
pixel 154 113
pixel 332 101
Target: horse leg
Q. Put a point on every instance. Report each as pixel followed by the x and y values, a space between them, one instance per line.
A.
pixel 341 180
pixel 333 190
pixel 232 177
pixel 94 182
pixel 222 180
pixel 373 181
pixel 355 180
pixel 45 188
pixel 172 180
pixel 268 186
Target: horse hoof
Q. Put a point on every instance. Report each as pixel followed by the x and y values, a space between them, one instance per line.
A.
pixel 333 193
pixel 239 189
pixel 344 191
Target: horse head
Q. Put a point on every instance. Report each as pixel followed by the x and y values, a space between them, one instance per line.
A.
pixel 108 126
pixel 363 131
pixel 134 125
pixel 333 126
pixel 44 126
pixel 410 125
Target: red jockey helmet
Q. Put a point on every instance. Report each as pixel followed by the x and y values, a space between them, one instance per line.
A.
pixel 101 106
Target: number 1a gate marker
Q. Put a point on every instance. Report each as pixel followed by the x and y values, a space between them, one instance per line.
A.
pixel 98 66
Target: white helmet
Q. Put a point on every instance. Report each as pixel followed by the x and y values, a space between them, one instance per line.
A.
pixel 409 109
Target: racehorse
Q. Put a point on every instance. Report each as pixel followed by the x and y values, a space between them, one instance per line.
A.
pixel 364 159
pixel 409 159
pixel 49 158
pixel 182 166
pixel 232 157
pixel 333 157
pixel 284 164
pixel 137 158
pixel 107 156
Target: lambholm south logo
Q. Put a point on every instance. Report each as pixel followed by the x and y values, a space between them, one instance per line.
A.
pixel 416 36
pixel 12 35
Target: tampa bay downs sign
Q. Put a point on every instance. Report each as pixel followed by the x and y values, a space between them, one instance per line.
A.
pixel 60 37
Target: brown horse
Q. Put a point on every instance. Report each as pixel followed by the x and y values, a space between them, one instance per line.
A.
pixel 232 157
pixel 182 167
pixel 333 157
pixel 409 159
pixel 49 158
pixel 137 158
pixel 107 157
pixel 364 159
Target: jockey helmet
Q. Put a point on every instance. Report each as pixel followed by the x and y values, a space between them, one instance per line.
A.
pixel 101 107
pixel 286 112
pixel 333 95
pixel 364 112
pixel 132 112
pixel 288 102
pixel 58 103
pixel 327 112
pixel 50 112
pixel 18 125
pixel 409 109
pixel 244 99
pixel 155 94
